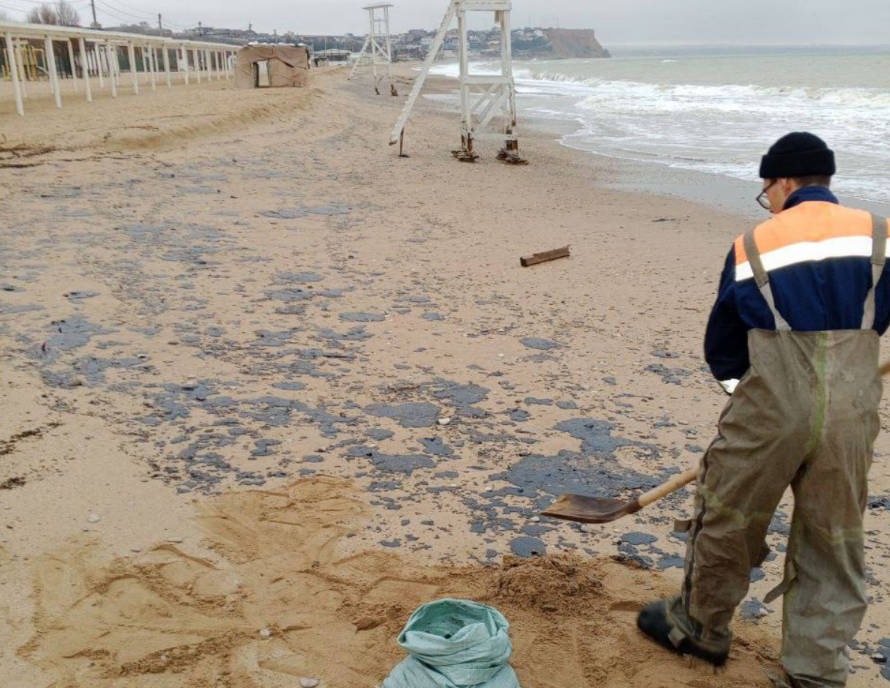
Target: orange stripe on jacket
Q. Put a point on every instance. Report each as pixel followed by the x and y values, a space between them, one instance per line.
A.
pixel 812 221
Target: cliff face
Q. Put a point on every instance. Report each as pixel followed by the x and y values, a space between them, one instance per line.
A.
pixel 575 43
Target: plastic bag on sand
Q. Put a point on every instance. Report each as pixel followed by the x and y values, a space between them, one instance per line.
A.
pixel 455 644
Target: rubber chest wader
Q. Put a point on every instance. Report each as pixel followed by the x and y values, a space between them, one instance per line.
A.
pixel 805 415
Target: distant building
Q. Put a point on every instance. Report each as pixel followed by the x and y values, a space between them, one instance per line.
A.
pixel 143 28
pixel 411 45
pixel 331 56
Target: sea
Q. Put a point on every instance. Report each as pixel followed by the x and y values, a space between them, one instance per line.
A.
pixel 715 110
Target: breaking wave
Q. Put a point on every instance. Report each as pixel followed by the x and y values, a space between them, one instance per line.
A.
pixel 708 127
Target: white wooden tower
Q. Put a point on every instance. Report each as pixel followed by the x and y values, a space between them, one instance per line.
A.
pixel 487 102
pixel 379 45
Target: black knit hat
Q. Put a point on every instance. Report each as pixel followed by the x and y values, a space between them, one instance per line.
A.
pixel 798 155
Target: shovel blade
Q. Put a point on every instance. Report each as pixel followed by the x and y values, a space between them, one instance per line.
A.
pixel 582 509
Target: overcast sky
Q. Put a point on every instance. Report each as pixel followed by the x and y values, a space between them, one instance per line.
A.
pixel 616 21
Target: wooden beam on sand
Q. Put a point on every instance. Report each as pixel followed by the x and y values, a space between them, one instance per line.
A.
pixel 535 258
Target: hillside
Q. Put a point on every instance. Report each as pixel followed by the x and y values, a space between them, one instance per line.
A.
pixel 575 43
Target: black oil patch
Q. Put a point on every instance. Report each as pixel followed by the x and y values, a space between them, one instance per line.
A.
pixel 593 471
pixel 414 414
pixel 391 463
pixel 752 610
pixel 285 214
pixel 435 446
pixel 362 317
pixel 299 277
pixel 539 343
pixel 292 386
pixel 526 547
pixel 462 397
pixel 72 333
pixel 354 334
pixel 671 376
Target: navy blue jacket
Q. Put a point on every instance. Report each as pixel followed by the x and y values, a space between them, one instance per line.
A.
pixel 812 295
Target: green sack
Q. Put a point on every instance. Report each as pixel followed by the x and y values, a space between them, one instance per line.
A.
pixel 455 644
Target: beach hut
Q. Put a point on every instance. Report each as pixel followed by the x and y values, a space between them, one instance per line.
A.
pixel 272 66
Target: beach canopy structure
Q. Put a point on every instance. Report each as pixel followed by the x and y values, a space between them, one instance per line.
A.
pixel 272 66
pixel 331 56
pixel 482 97
pixel 77 54
pixel 378 45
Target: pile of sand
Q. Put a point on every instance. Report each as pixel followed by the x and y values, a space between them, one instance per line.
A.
pixel 284 600
pixel 548 584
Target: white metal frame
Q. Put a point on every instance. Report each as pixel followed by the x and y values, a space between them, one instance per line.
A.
pixel 482 97
pixel 90 61
pixel 378 16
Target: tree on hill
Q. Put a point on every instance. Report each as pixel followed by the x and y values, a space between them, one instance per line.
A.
pixel 58 14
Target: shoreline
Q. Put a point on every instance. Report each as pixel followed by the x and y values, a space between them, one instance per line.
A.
pixel 717 191
pixel 280 298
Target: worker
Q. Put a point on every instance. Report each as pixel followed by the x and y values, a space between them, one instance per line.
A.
pixel 794 338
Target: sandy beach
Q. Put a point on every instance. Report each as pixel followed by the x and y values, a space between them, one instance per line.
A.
pixel 267 387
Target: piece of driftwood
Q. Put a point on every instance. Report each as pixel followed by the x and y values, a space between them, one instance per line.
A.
pixel 534 259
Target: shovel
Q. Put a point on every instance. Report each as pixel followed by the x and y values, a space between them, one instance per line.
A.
pixel 574 507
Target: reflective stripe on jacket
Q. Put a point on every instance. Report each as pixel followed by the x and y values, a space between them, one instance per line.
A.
pixel 818 257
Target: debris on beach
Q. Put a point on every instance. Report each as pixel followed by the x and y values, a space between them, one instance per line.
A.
pixel 544 257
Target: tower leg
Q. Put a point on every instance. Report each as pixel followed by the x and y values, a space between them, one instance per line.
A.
pixel 465 154
pixel 510 152
pixel 392 86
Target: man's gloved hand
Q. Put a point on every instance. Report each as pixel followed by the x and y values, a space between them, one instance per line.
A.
pixel 728 385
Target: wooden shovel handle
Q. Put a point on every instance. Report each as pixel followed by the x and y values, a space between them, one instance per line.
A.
pixel 689 476
pixel 669 487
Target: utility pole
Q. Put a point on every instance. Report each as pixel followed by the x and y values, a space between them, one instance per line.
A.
pixel 95 24
pixel 160 26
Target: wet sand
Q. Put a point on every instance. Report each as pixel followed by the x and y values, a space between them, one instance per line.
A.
pixel 217 306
